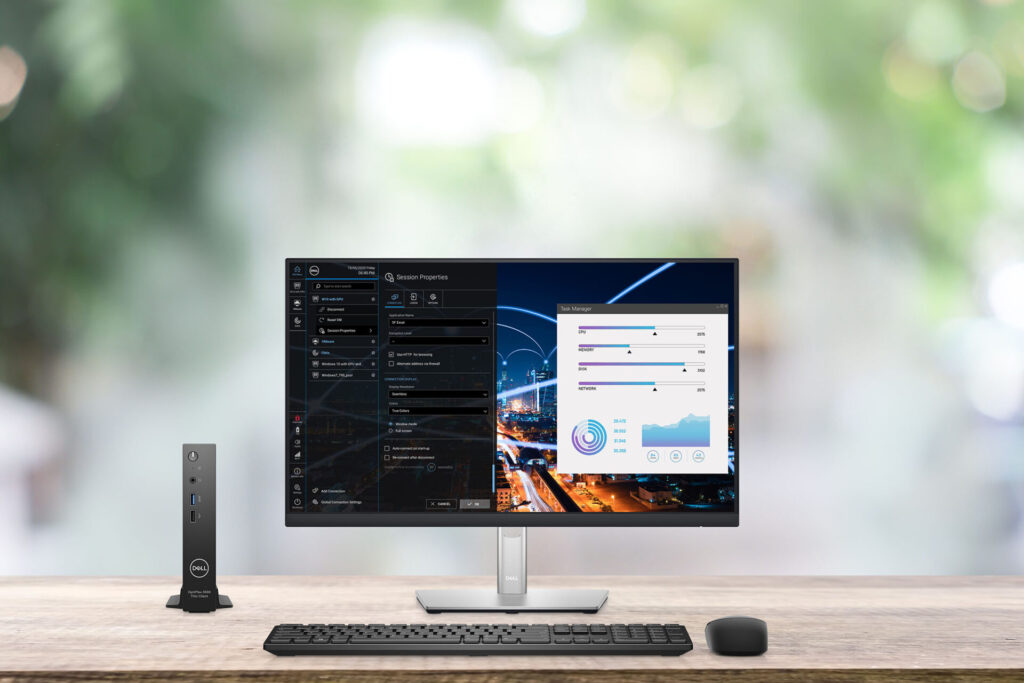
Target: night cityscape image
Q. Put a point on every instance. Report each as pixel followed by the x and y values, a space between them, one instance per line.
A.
pixel 526 468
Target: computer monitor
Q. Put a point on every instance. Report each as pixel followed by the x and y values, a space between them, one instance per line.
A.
pixel 511 393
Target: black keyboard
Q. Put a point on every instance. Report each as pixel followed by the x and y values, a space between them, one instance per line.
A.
pixel 478 639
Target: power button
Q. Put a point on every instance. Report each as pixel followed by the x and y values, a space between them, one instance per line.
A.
pixel 193 456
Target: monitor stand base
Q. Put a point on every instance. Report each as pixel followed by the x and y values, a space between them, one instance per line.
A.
pixel 511 596
pixel 437 601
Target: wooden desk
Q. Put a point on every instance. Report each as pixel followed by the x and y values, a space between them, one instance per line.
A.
pixel 825 629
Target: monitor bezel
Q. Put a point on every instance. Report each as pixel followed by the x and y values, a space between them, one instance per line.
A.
pixel 532 519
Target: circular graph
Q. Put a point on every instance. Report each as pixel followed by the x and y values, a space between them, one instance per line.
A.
pixel 589 437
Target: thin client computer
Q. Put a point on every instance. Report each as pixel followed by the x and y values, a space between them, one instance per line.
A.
pixel 511 393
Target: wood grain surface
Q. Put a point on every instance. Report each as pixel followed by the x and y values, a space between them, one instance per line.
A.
pixel 820 628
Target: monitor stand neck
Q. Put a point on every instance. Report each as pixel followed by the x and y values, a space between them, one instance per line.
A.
pixel 512 596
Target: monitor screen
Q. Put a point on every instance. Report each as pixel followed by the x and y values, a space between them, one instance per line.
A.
pixel 511 392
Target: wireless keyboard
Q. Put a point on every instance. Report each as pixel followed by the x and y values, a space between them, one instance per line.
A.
pixel 478 639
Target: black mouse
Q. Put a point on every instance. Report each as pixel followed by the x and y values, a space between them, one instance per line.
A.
pixel 737 636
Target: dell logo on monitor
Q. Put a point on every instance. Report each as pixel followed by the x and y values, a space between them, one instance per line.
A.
pixel 199 567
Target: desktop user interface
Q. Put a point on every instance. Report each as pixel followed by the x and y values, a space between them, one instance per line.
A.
pixel 460 387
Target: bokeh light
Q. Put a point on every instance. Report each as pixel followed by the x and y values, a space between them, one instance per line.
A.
pixel 644 83
pixel 13 71
pixel 907 75
pixel 428 84
pixel 1006 294
pixel 935 31
pixel 548 17
pixel 979 83
pixel 995 371
pixel 709 96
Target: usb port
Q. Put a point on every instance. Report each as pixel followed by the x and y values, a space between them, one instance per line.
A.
pixel 192 516
pixel 193 499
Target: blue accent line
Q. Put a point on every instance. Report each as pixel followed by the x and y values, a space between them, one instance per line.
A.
pixel 527 388
pixel 639 282
pixel 731 347
pixel 521 349
pixel 525 335
pixel 368 279
pixel 529 444
pixel 528 312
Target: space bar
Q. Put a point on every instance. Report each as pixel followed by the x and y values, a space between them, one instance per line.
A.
pixel 403 641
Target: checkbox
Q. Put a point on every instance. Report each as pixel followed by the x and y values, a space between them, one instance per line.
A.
pixel 391 363
pixel 387 448
pixel 391 354
pixel 387 457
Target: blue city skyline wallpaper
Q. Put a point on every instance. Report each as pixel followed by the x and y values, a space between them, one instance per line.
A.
pixel 528 296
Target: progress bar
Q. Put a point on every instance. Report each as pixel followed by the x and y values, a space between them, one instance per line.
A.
pixel 641 327
pixel 638 362
pixel 641 346
pixel 635 384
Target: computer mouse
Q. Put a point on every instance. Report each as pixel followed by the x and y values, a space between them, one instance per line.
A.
pixel 737 636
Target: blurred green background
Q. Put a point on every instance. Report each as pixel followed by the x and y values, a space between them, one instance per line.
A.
pixel 864 160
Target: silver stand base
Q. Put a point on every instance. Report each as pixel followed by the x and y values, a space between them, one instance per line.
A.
pixel 511 595
pixel 534 601
pixel 575 600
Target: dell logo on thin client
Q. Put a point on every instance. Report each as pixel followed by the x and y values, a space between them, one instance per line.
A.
pixel 199 567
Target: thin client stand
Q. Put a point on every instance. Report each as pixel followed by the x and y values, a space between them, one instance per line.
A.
pixel 512 596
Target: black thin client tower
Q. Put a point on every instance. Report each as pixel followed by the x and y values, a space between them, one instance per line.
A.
pixel 199 531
